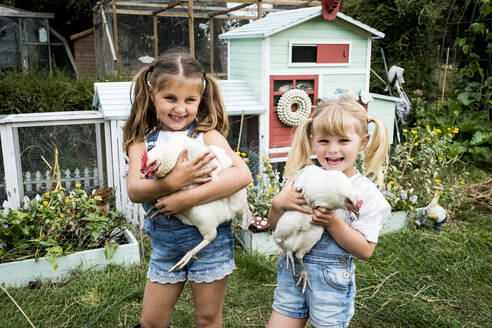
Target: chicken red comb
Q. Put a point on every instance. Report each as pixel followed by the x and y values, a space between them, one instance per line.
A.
pixel 144 158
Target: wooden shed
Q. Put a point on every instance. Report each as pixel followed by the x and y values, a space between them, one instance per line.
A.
pixel 300 49
pixel 84 52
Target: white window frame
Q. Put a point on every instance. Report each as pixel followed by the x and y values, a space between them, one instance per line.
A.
pixel 315 44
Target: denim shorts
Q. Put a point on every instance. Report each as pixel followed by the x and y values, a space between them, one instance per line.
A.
pixel 330 303
pixel 172 239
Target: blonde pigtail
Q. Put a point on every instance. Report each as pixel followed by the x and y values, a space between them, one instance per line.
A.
pixel 301 151
pixel 376 153
pixel 142 118
pixel 212 114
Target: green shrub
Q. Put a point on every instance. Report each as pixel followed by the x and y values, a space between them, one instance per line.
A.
pixel 36 92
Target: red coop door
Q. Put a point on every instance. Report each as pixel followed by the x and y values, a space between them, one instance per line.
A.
pixel 280 134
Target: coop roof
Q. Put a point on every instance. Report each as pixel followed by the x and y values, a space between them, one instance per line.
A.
pixel 276 22
pixel 113 99
pixel 14 12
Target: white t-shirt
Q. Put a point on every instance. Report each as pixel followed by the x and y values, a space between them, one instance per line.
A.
pixel 374 211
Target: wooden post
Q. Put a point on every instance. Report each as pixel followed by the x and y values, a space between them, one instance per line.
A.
pixel 260 10
pixel 156 39
pixel 115 35
pixel 212 37
pixel 444 79
pixel 191 25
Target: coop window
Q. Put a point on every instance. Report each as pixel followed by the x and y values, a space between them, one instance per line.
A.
pixel 304 54
pixel 325 53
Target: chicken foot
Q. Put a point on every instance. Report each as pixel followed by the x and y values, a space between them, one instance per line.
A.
pixel 303 275
pixel 290 259
pixel 157 212
pixel 191 254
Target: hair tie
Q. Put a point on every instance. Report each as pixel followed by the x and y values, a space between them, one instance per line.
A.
pixel 204 81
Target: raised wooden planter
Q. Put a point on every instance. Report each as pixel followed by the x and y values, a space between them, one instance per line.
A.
pixel 20 273
pixel 262 242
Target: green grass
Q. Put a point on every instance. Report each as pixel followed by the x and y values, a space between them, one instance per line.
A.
pixel 416 278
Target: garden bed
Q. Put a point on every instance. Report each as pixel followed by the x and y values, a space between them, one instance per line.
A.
pixel 20 273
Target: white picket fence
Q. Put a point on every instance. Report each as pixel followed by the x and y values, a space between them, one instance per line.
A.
pixel 38 182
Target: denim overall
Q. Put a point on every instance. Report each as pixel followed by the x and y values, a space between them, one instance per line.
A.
pixel 172 239
pixel 330 303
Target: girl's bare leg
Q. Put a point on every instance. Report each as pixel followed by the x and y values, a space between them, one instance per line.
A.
pixel 209 300
pixel 278 320
pixel 158 303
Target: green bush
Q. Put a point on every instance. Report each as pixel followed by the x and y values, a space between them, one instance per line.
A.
pixel 468 106
pixel 36 92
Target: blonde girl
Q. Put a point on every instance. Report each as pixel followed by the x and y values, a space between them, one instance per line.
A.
pixel 336 132
pixel 174 96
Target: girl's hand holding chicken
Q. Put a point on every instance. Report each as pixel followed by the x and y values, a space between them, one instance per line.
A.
pixel 325 218
pixel 190 172
pixel 288 199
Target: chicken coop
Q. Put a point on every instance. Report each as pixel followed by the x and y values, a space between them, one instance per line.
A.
pixel 32 143
pixel 300 49
pixel 126 31
pixel 27 42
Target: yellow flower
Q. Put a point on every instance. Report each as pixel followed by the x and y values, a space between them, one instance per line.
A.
pixel 251 184
pixel 462 182
pixel 71 196
pixel 46 194
pixel 102 216
pixel 246 160
pixel 264 159
pixel 449 129
pixel 78 185
pixel 413 132
pixel 456 130
pixel 427 126
pixel 43 234
pixel 437 180
pixel 438 130
pixel 416 144
pixel 269 166
pixel 45 203
pixel 405 144
pixel 270 191
pixel 440 158
pixel 411 158
pixel 391 182
pixel 243 154
pixel 239 153
pixel 257 176
pixel 62 215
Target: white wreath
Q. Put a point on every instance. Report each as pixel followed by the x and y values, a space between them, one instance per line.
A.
pixel 284 107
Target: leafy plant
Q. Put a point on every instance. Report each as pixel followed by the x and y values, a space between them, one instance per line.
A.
pixel 261 192
pixel 468 106
pixel 56 224
pixel 418 163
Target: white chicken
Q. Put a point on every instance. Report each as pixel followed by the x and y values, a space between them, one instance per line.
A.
pixel 206 217
pixel 294 232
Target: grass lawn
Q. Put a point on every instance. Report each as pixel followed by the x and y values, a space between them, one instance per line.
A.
pixel 416 278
